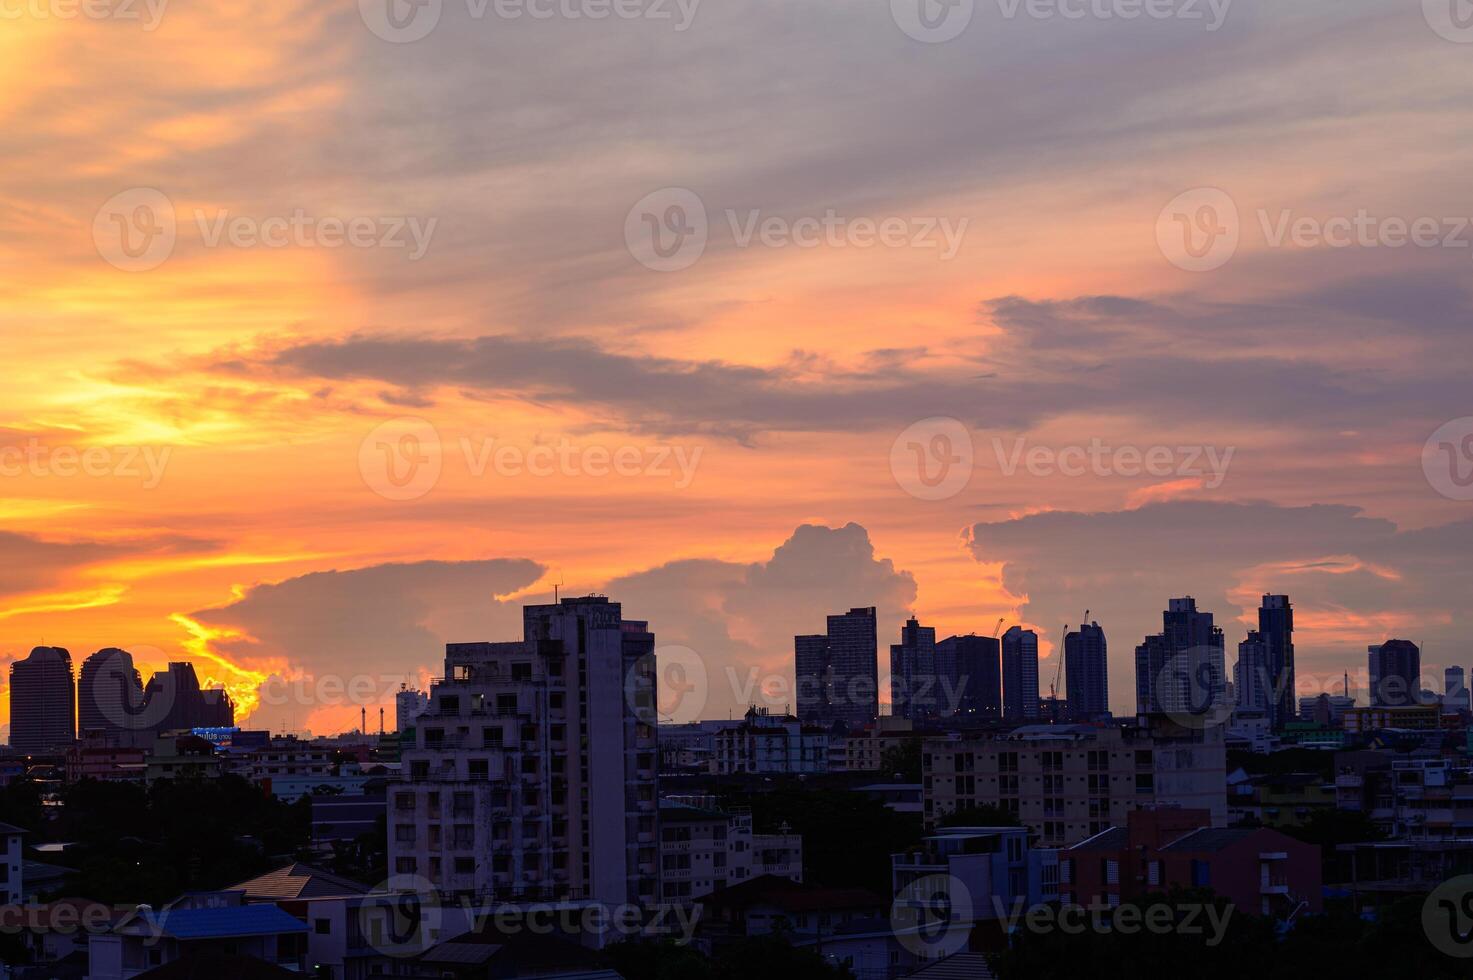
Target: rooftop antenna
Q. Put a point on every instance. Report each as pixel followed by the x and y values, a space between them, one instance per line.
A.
pixel 363 719
pixel 380 720
pixel 556 586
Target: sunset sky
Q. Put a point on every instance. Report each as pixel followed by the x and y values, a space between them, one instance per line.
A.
pixel 303 458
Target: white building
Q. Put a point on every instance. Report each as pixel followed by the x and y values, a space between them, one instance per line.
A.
pixel 531 774
pixel 980 870
pixel 703 848
pixel 766 743
pixel 409 704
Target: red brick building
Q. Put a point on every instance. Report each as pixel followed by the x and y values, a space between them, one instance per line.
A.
pixel 1258 870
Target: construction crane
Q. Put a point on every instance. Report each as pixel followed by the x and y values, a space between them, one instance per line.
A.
pixel 998 628
pixel 1053 688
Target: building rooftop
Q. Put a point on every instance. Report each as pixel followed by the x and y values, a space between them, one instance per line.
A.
pixel 221 923
pixel 217 966
pixel 1210 839
pixel 958 966
pixel 1113 839
pixel 298 880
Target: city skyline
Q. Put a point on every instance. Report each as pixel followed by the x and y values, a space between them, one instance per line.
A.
pixel 242 403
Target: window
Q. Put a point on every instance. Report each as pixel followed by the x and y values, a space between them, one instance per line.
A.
pixel 404 801
pixel 1112 872
pixel 506 703
pixel 465 866
pixel 1201 874
pixel 521 672
pixel 323 927
pixel 478 769
pixel 404 833
pixel 449 705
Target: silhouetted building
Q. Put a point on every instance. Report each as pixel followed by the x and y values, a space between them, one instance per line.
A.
pixel 43 702
pixel 975 669
pixel 837 673
pixel 1396 674
pixel 1276 627
pixel 1454 689
pixel 174 700
pixel 914 677
pixel 1250 675
pixel 110 695
pixel 1086 670
pixel 1020 674
pixel 1182 670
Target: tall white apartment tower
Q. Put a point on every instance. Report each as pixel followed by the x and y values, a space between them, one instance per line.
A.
pixel 531 773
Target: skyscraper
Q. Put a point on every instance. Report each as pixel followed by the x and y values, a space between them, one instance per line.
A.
pixel 1020 674
pixel 837 672
pixel 1396 674
pixel 1182 670
pixel 1086 680
pixel 539 756
pixel 174 700
pixel 1455 689
pixel 110 696
pixel 915 689
pixel 43 701
pixel 972 662
pixel 1251 674
pixel 1276 626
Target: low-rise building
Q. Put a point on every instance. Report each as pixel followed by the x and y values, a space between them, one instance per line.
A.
pixel 182 756
pixel 771 744
pixel 1413 717
pixel 978 872
pixel 1069 782
pixel 12 861
pixel 1259 870
pixel 768 904
pixel 198 924
pixel 703 848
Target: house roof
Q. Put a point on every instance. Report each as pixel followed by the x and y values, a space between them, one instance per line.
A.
pixel 790 896
pixel 1113 839
pixel 222 923
pixel 519 953
pixel 671 811
pixel 6 829
pixel 218 966
pixel 298 880
pixel 958 966
pixel 1210 839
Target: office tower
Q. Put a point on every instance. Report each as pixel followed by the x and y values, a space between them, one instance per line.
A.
pixel 110 697
pixel 1396 674
pixel 973 664
pixel 532 772
pixel 838 672
pixel 914 678
pixel 1085 672
pixel 1020 675
pixel 1455 689
pixel 43 702
pixel 1182 670
pixel 1251 674
pixel 174 701
pixel 1276 627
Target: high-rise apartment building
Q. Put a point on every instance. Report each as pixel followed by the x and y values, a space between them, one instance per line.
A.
pixel 1086 673
pixel 1396 674
pixel 1250 675
pixel 532 773
pixel 1276 627
pixel 1454 689
pixel 43 702
pixel 837 672
pixel 1020 674
pixel 1182 670
pixel 110 697
pixel 974 664
pixel 915 678
pixel 174 700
